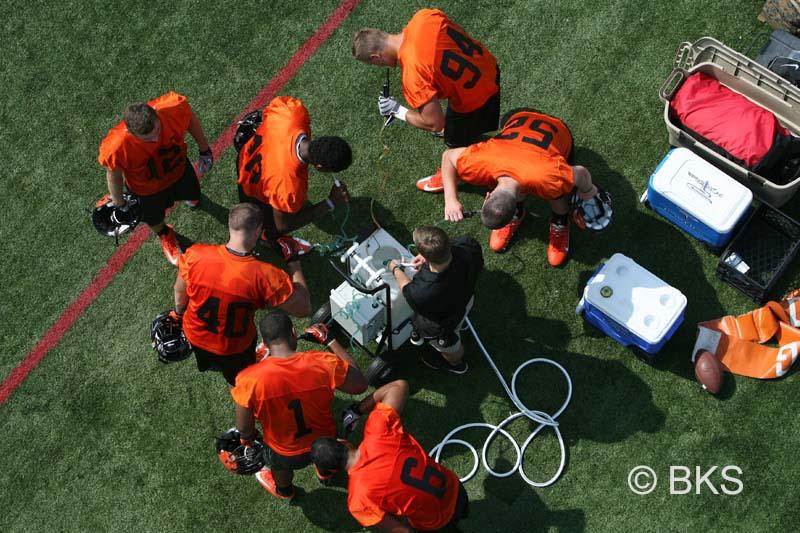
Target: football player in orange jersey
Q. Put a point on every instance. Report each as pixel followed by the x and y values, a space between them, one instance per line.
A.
pixel 147 150
pixel 531 156
pixel 290 393
pixel 438 61
pixel 272 171
pixel 219 288
pixel 394 484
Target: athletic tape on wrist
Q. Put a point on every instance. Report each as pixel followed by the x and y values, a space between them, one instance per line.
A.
pixel 401 113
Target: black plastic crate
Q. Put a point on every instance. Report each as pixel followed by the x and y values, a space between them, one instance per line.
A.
pixel 767 243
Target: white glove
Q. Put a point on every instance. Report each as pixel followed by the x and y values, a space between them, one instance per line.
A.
pixel 206 162
pixel 387 105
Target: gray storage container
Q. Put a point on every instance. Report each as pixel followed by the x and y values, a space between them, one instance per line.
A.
pixel 743 75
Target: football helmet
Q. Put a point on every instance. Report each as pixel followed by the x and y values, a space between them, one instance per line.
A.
pixel 246 129
pixel 594 213
pixel 115 221
pixel 168 339
pixel 244 458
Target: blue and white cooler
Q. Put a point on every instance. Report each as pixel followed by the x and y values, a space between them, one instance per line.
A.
pixel 631 305
pixel 697 197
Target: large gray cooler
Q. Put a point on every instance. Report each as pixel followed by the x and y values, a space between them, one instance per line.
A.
pixel 746 77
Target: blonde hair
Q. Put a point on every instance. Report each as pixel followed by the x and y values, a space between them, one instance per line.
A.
pixel 368 41
pixel 245 217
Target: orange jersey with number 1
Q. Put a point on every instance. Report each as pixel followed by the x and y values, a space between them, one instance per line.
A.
pixel 395 475
pixel 150 167
pixel 291 397
pixel 532 148
pixel 224 291
pixel 438 59
pixel 268 167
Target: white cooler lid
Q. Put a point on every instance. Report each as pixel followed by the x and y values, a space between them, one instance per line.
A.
pixel 634 297
pixel 701 189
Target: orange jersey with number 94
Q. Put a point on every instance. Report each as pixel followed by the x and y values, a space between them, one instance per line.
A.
pixel 439 59
pixel 150 167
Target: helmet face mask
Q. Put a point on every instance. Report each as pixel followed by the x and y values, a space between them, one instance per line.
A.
pixel 168 339
pixel 107 220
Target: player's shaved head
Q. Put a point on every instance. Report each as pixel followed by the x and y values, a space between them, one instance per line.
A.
pixel 432 243
pixel 329 454
pixel 245 217
pixel 330 154
pixel 499 209
pixel 368 41
pixel 139 118
pixel 276 326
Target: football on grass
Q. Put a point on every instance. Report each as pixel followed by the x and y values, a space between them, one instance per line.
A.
pixel 708 371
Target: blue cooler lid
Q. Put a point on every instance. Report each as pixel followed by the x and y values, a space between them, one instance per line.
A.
pixel 701 189
pixel 636 298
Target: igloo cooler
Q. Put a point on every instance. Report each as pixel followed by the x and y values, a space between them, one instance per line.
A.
pixel 631 305
pixel 697 197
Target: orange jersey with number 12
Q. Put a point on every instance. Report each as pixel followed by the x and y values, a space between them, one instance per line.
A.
pixel 532 148
pixel 150 167
pixel 291 397
pixel 224 292
pixel 438 59
pixel 395 475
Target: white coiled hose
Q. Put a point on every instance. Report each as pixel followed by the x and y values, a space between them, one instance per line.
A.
pixel 543 419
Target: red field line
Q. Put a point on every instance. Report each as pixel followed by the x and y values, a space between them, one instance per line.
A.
pixel 121 256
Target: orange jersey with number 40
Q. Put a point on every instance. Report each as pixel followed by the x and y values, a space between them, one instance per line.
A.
pixel 224 292
pixel 438 59
pixel 532 148
pixel 291 397
pixel 150 167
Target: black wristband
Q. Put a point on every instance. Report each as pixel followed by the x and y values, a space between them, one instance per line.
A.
pixel 396 267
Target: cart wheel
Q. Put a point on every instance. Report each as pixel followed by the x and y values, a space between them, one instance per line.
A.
pixel 323 314
pixel 378 371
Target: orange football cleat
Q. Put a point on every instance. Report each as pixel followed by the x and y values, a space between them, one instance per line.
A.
pixel 558 248
pixel 170 246
pixel 432 183
pixel 499 239
pixel 265 479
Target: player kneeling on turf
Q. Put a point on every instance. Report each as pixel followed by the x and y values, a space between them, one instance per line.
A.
pixel 290 393
pixel 272 172
pixel 393 484
pixel 441 293
pixel 531 156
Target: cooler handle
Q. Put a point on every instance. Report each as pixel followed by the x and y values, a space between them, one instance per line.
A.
pixel 684 57
pixel 671 84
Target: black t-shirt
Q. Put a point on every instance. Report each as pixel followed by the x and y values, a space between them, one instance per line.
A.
pixel 439 299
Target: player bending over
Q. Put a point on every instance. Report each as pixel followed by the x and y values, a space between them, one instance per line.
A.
pixel 441 293
pixel 272 172
pixel 438 61
pixel 219 287
pixel 148 152
pixel 290 393
pixel 531 156
pixel 393 484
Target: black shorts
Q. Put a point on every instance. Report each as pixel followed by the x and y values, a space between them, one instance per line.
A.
pixel 266 210
pixel 463 129
pixel 154 206
pixel 287 462
pixel 229 365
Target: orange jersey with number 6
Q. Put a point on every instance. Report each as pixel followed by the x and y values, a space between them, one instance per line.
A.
pixel 224 292
pixel 268 167
pixel 150 167
pixel 438 59
pixel 292 397
pixel 532 148
pixel 395 475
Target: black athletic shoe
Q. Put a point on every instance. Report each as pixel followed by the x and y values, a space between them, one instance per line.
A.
pixel 436 361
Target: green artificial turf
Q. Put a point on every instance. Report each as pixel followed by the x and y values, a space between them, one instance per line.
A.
pixel 100 436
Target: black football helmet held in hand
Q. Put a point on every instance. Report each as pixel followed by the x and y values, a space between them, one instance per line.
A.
pixel 244 458
pixel 168 339
pixel 115 221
